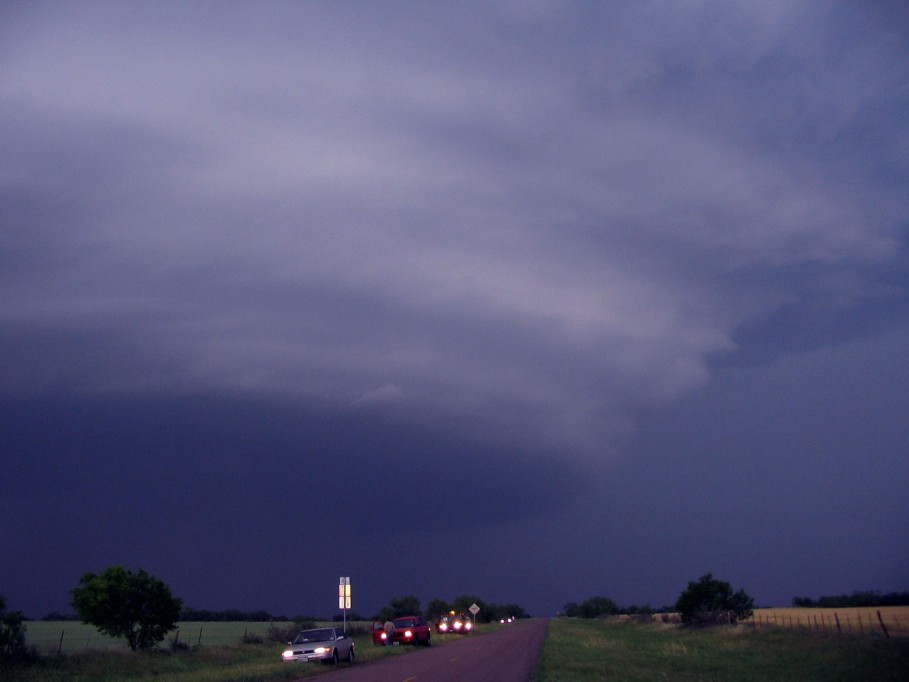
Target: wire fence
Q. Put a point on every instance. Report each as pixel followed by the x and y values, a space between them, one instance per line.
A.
pixel 69 637
pixel 886 621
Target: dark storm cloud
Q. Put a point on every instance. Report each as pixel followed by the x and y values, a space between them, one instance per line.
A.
pixel 458 249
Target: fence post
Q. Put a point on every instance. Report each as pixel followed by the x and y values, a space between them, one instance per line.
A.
pixel 883 627
pixel 861 627
pixel 200 637
pixel 60 645
pixel 838 630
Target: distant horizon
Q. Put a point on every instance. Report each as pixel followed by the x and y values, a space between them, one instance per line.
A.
pixel 665 608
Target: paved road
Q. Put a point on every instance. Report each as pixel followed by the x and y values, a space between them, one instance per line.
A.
pixel 506 655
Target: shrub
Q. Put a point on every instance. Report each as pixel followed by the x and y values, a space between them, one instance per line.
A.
pixel 283 635
pixel 712 602
pixel 12 635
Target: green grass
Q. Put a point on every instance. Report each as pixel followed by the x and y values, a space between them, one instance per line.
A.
pixel 580 650
pixel 89 656
pixel 574 651
pixel 72 637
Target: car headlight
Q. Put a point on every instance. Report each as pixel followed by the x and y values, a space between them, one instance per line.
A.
pixel 322 649
pixel 288 654
pixel 384 635
pixel 408 633
pixel 467 626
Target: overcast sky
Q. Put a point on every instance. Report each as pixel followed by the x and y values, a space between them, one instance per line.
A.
pixel 532 301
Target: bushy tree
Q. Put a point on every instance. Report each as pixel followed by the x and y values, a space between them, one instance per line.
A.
pixel 463 603
pixel 401 606
pixel 591 608
pixel 708 601
pixel 120 603
pixel 12 633
pixel 499 611
pixel 436 608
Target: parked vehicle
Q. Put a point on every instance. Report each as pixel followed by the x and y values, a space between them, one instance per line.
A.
pixel 328 645
pixel 454 623
pixel 408 630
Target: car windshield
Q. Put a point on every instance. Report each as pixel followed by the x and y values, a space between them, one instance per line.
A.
pixel 404 622
pixel 322 635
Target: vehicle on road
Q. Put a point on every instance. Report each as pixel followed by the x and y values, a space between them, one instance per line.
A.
pixel 328 645
pixel 408 630
pixel 453 623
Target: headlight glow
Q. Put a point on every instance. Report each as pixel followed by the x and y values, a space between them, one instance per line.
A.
pixel 322 649
pixel 408 633
pixel 288 654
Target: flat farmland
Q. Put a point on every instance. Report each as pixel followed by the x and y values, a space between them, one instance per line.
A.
pixel 853 620
pixel 88 656
pixel 69 637
pixel 574 650
pixel 582 650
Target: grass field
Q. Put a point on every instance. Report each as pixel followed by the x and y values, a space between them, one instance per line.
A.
pixel 587 650
pixel 575 651
pixel 71 637
pixel 88 656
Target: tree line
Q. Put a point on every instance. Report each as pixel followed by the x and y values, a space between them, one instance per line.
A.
pixel 706 601
pixel 861 599
pixel 231 615
pixel 488 611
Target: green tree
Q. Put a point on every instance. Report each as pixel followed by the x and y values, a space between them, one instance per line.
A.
pixel 12 633
pixel 401 606
pixel 436 608
pixel 591 608
pixel 598 606
pixel 708 601
pixel 121 603
pixel 571 609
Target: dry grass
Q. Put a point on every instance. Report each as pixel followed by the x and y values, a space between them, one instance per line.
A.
pixel 853 620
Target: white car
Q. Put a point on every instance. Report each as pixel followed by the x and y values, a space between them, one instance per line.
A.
pixel 328 645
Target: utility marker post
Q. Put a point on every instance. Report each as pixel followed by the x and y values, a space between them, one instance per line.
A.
pixel 344 597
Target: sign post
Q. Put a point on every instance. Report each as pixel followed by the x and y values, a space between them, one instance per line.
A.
pixel 344 597
pixel 474 609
